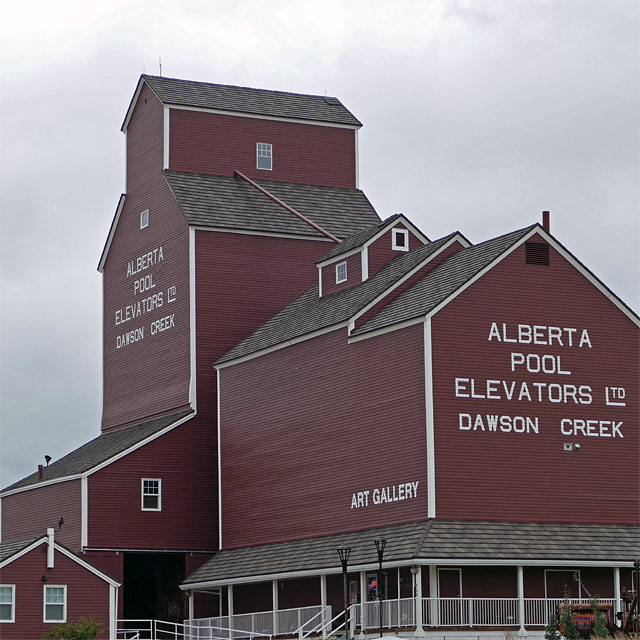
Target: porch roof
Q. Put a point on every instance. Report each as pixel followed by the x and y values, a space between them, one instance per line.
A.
pixel 465 542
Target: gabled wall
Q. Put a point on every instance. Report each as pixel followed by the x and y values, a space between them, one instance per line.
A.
pixel 381 251
pixel 518 473
pixel 146 357
pixel 303 153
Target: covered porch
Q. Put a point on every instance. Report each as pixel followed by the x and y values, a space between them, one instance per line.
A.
pixel 436 575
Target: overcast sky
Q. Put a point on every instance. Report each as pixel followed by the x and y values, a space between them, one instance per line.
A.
pixel 478 115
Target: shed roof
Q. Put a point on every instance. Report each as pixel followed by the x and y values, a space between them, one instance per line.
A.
pixel 99 450
pixel 442 540
pixel 309 312
pixel 229 202
pixel 262 102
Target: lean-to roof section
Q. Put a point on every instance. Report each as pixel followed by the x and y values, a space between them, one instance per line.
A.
pixel 309 313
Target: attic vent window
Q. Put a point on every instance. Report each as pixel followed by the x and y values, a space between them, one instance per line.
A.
pixel 144 219
pixel 400 240
pixel 264 156
pixel 537 253
pixel 341 272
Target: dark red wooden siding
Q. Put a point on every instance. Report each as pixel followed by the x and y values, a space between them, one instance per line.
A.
pixel 185 460
pixel 219 144
pixel 597 580
pixel 489 582
pixel 354 274
pixel 380 252
pixel 301 592
pixel 151 375
pixel 511 476
pixel 30 513
pixel 305 427
pixel 87 594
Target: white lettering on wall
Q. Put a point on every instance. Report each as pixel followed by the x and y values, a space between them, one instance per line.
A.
pixel 384 495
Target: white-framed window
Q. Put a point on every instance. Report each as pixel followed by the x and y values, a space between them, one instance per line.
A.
pixel 151 494
pixel 264 158
pixel 55 603
pixel 341 272
pixel 7 602
pixel 400 239
pixel 144 218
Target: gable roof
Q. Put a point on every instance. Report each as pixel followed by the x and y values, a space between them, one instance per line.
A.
pixel 309 312
pixel 420 542
pixel 363 237
pixel 12 547
pixel 261 102
pixel 229 202
pixel 444 280
pixel 98 451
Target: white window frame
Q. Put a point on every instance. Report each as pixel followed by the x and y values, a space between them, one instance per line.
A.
pixel 12 603
pixel 339 280
pixel 45 588
pixel 144 219
pixel 264 150
pixel 459 570
pixel 143 494
pixel 394 242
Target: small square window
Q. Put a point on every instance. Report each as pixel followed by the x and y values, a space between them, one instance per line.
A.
pixel 400 239
pixel 341 272
pixel 144 219
pixel 55 604
pixel 264 156
pixel 7 602
pixel 151 495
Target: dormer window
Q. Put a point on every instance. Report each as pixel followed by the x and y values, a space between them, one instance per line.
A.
pixel 264 156
pixel 144 219
pixel 400 240
pixel 341 272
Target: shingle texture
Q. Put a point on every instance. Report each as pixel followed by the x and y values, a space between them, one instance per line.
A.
pixel 432 539
pixel 8 549
pixel 246 100
pixel 443 281
pixel 309 312
pixel 358 239
pixel 99 450
pixel 232 203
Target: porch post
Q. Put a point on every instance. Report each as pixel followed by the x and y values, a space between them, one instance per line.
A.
pixel 522 632
pixel 616 593
pixel 274 597
pixel 230 607
pixel 434 595
pixel 363 599
pixel 323 603
pixel 192 597
pixel 418 599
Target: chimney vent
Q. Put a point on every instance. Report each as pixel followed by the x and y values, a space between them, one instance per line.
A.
pixel 545 221
pixel 40 472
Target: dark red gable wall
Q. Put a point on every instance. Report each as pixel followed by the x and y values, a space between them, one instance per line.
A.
pixel 219 144
pixel 87 594
pixel 305 427
pixel 29 513
pixel 530 477
pixel 185 460
pixel 151 375
pixel 380 251
pixel 354 274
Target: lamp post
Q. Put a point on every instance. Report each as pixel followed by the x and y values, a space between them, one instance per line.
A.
pixel 343 552
pixel 380 545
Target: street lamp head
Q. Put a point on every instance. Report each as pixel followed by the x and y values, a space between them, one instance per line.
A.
pixel 344 551
pixel 380 545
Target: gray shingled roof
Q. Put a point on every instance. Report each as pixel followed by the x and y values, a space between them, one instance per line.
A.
pixel 358 239
pixel 444 540
pixel 246 100
pixel 232 203
pixel 309 312
pixel 444 280
pixel 10 548
pixel 99 450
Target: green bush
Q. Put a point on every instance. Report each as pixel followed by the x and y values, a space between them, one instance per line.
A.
pixel 600 620
pixel 83 629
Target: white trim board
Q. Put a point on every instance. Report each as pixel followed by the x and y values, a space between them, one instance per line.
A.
pixel 112 232
pixel 266 234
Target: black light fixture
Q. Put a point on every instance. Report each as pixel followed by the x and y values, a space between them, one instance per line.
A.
pixel 380 545
pixel 344 551
pixel 47 459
